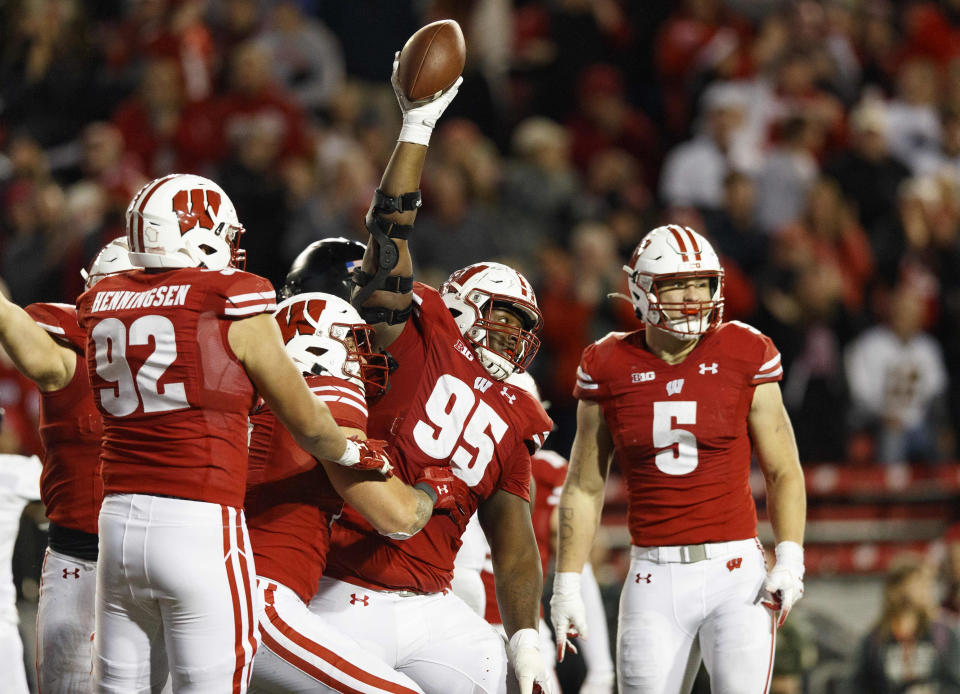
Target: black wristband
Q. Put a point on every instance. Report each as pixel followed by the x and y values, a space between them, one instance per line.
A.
pixel 395 284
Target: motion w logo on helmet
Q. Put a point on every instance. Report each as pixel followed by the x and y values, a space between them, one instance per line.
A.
pixel 194 207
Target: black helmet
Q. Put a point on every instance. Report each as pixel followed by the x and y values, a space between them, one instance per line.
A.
pixel 324 266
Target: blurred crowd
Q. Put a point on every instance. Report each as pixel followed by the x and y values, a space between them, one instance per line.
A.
pixel 815 142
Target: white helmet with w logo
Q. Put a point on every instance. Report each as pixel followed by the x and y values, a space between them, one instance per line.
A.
pixel 473 293
pixel 675 252
pixel 182 220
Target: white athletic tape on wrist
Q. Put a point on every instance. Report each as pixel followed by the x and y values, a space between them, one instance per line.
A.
pixel 351 454
pixel 790 555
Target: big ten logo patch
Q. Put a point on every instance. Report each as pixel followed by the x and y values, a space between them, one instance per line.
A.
pixel 734 563
pixel 642 376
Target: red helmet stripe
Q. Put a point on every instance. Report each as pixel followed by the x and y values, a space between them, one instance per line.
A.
pixel 693 243
pixel 680 243
pixel 137 238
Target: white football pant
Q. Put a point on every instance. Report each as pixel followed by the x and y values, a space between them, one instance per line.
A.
pixel 436 639
pixel 174 590
pixel 65 610
pixel 300 652
pixel 671 613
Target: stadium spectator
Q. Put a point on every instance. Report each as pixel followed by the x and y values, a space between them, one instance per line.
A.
pixel 898 381
pixel 693 172
pixel 913 125
pixel 787 173
pixel 909 648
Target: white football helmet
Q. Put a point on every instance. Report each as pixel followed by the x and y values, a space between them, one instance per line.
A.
pixel 182 220
pixel 112 258
pixel 675 252
pixel 325 334
pixel 472 293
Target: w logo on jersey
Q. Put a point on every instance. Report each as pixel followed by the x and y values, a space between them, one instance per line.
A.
pixel 675 386
pixel 708 368
pixel 481 384
pixel 734 563
pixel 194 208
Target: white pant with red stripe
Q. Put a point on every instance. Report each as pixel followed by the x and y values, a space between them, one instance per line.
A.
pixel 301 652
pixel 174 593
pixel 674 613
pixel 436 639
pixel 65 623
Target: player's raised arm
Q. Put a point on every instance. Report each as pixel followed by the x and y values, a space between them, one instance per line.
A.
pixel 779 460
pixel 35 354
pixel 257 344
pixel 579 515
pixel 384 286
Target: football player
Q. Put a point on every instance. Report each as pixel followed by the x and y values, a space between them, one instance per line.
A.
pixel 683 403
pixel 47 345
pixel 324 266
pixel 447 403
pixel 175 353
pixel 292 500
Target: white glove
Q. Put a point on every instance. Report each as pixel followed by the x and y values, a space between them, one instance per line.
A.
pixel 597 684
pixel 524 653
pixel 567 613
pixel 419 117
pixel 784 583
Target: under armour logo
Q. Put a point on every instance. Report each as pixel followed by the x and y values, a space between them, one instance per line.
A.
pixel 643 578
pixel 74 572
pixel 508 396
pixel 365 600
pixel 675 386
pixel 443 489
pixel 712 368
pixel 734 563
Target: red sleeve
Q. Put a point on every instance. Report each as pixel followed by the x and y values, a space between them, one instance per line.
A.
pixel 345 400
pixel 516 473
pixel 590 383
pixel 60 320
pixel 768 367
pixel 538 425
pixel 245 295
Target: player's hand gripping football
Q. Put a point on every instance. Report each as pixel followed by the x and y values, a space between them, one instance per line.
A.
pixel 567 613
pixel 366 455
pixel 419 118
pixel 784 583
pixel 524 653
pixel 450 495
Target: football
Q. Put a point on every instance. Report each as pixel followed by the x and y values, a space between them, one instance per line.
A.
pixel 431 60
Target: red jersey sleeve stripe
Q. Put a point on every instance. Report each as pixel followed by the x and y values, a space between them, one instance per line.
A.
pixel 252 296
pixel 249 310
pixel 52 328
pixel 344 401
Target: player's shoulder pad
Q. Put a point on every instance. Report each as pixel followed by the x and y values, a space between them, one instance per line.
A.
pixel 533 423
pixel 59 320
pixel 755 348
pixel 244 293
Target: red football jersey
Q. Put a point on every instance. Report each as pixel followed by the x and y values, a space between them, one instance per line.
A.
pixel 442 406
pixel 549 470
pixel 680 431
pixel 173 395
pixel 290 502
pixel 70 430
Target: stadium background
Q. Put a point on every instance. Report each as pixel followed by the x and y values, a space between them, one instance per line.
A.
pixel 816 143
